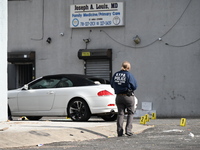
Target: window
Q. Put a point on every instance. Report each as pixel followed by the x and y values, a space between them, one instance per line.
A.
pixel 44 83
pixel 64 82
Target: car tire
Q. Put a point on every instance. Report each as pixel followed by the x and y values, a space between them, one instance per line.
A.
pixel 111 117
pixel 78 110
pixel 33 117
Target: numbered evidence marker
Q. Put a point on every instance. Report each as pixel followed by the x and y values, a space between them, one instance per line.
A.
pixel 147 118
pixel 153 116
pixel 142 120
pixel 183 122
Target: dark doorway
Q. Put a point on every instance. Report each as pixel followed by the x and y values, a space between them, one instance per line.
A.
pixel 21 69
pixel 19 74
pixel 24 74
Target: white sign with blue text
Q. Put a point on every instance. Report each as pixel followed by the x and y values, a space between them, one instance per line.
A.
pixel 97 15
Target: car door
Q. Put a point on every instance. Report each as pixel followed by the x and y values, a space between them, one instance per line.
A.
pixel 39 96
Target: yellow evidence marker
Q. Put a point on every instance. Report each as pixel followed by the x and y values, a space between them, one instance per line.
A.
pixel 142 120
pixel 153 116
pixel 183 122
pixel 147 117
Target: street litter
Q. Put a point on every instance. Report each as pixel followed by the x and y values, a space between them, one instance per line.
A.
pixel 40 145
pixel 3 129
pixel 191 134
pixel 174 130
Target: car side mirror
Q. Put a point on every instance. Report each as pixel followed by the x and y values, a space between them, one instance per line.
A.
pixel 25 87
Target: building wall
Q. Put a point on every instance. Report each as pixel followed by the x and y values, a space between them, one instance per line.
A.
pixel 3 60
pixel 167 74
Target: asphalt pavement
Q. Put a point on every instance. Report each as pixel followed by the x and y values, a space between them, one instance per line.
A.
pixel 62 133
pixel 23 133
pixel 167 134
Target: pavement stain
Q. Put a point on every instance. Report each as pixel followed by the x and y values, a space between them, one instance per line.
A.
pixel 40 133
pixel 92 132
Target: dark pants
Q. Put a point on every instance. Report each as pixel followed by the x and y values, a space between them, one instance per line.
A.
pixel 125 102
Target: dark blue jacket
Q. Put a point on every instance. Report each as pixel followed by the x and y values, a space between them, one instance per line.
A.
pixel 122 81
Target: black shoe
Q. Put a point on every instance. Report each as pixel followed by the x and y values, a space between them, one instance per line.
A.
pixel 129 134
pixel 120 135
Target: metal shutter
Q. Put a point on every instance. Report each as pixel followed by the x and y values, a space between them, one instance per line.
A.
pixel 98 67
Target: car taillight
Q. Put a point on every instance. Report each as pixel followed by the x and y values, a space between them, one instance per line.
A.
pixel 104 93
pixel 111 104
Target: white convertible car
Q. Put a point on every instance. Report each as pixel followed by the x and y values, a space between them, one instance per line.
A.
pixel 72 95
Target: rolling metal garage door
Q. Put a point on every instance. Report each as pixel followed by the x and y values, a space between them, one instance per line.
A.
pixel 99 68
pixel 98 62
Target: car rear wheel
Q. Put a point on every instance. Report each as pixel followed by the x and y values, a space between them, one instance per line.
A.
pixel 78 110
pixel 33 117
pixel 111 117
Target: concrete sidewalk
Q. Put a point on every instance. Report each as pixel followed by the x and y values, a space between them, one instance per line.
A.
pixel 32 133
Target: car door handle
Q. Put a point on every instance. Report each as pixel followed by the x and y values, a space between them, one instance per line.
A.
pixel 50 92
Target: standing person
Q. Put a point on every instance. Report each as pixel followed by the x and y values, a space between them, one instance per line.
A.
pixel 124 85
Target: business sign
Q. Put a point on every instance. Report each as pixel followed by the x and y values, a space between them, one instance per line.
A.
pixel 97 15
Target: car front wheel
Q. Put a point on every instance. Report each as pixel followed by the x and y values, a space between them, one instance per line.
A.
pixel 78 110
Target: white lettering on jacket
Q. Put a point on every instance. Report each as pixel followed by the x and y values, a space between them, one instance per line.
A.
pixel 120 78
